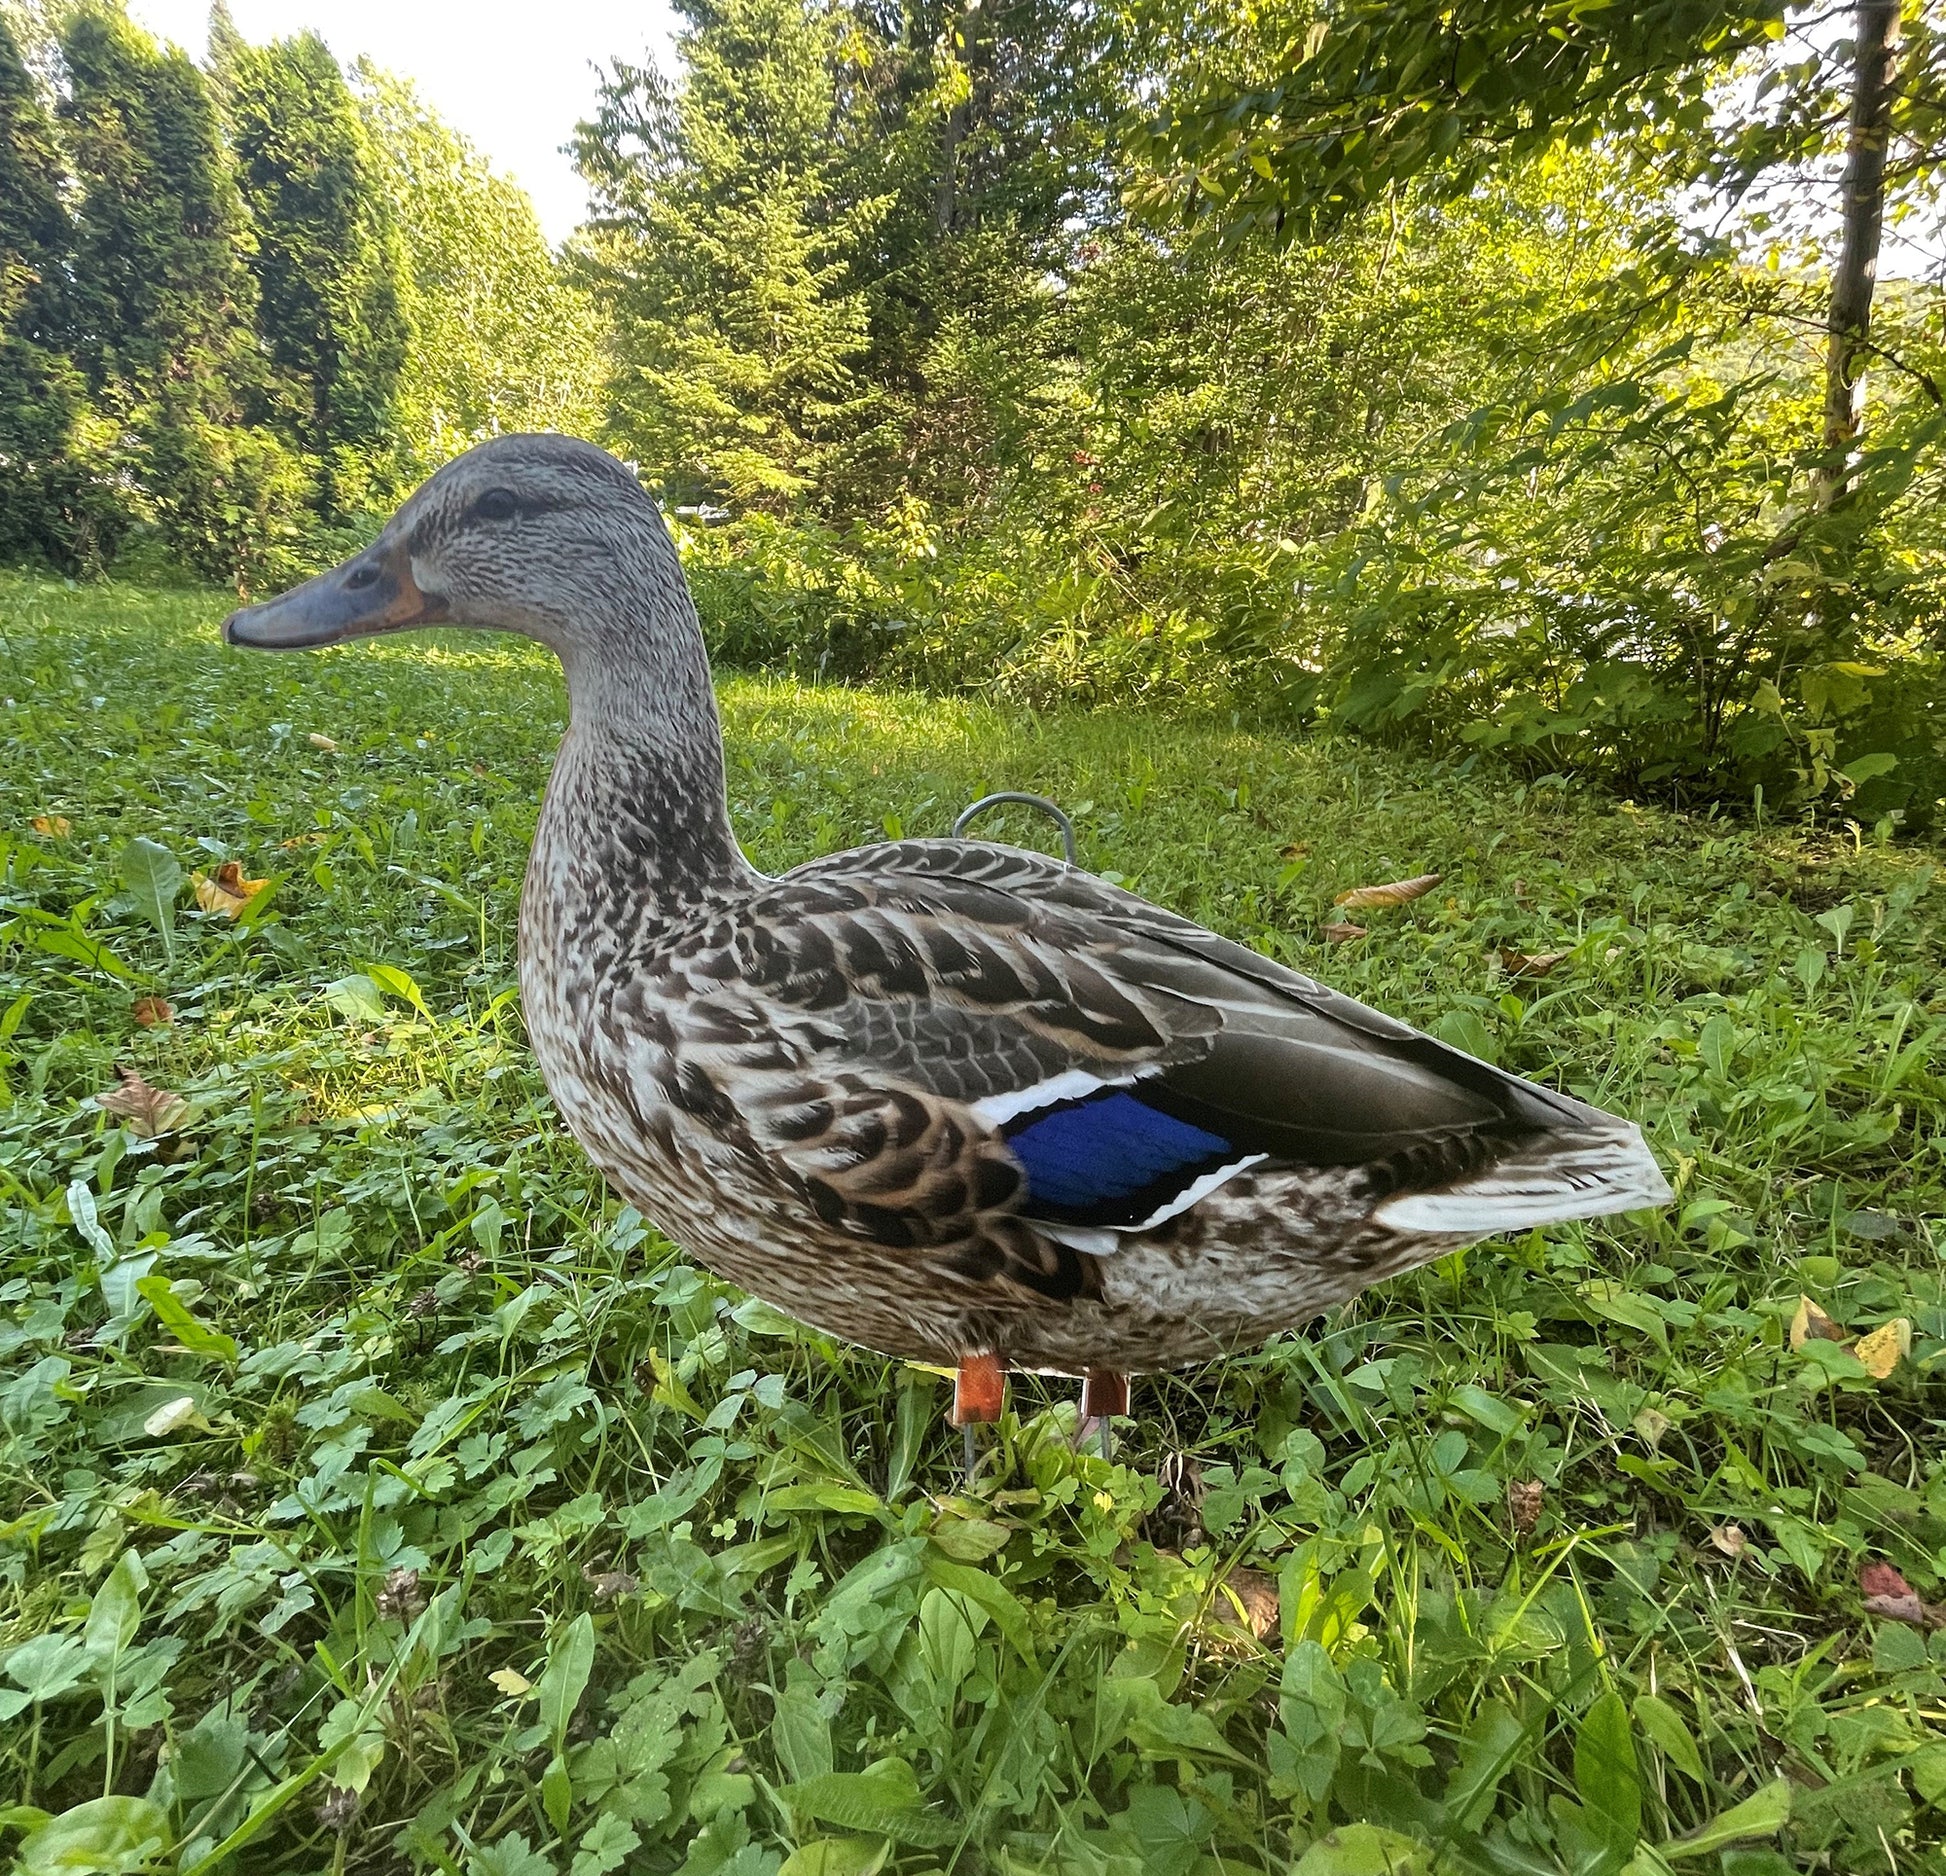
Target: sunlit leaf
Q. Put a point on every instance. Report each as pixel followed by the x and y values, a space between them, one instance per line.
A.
pixel 1396 892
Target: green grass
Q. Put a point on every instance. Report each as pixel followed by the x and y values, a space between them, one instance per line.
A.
pixel 404 1401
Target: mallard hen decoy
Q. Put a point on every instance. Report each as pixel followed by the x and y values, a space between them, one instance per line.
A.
pixel 958 1102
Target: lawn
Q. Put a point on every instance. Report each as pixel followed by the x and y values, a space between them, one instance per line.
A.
pixel 379 1494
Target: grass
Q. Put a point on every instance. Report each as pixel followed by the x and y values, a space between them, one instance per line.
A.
pixel 379 1495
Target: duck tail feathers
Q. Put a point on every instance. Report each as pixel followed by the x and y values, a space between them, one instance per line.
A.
pixel 1558 1176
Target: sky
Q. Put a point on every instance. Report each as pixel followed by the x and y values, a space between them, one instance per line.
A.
pixel 513 79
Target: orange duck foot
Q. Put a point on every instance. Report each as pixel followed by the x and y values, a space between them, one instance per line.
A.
pixel 1104 1399
pixel 979 1390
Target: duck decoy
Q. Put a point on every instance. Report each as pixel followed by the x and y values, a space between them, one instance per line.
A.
pixel 959 1102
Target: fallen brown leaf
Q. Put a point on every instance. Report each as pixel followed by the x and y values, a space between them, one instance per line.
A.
pixel 1729 1539
pixel 1525 1497
pixel 150 1111
pixel 610 1584
pixel 1396 892
pixel 318 740
pixel 151 1011
pixel 1811 1324
pixel 52 826
pixel 226 890
pixel 1529 963
pixel 1888 1594
pixel 1885 1347
pixel 1343 934
pixel 1251 1594
pixel 1296 850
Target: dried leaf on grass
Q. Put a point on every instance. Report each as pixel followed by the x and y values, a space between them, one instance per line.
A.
pixel 150 1111
pixel 1529 963
pixel 318 740
pixel 1525 1499
pixel 1396 892
pixel 1729 1539
pixel 1888 1594
pixel 150 1012
pixel 511 1682
pixel 1811 1324
pixel 52 826
pixel 1250 1595
pixel 226 890
pixel 1887 1345
pixel 1879 1351
pixel 1343 934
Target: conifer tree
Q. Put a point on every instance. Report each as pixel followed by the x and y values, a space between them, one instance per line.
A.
pixel 725 251
pixel 328 261
pixel 49 505
pixel 161 300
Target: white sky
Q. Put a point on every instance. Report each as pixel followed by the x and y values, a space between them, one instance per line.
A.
pixel 513 79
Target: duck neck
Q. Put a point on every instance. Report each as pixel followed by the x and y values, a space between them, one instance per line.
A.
pixel 636 824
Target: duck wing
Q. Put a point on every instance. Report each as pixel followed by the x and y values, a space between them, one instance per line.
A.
pixel 983 1052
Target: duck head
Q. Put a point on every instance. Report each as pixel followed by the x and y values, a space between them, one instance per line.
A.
pixel 542 535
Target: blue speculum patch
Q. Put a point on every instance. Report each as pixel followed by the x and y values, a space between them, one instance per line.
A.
pixel 1088 1159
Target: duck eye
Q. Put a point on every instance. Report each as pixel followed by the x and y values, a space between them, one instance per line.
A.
pixel 496 505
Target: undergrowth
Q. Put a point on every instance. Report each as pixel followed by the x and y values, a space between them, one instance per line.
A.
pixel 379 1494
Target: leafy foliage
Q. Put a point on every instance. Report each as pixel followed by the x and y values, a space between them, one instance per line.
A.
pixel 327 257
pixel 380 1490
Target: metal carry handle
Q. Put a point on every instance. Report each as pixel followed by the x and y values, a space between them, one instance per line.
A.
pixel 1050 808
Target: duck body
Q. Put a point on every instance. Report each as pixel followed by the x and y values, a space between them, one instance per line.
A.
pixel 940 1096
pixel 954 1101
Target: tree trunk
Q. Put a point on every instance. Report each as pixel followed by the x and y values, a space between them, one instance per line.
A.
pixel 1875 50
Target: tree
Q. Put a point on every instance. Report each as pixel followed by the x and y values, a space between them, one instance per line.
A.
pixel 161 300
pixel 49 503
pixel 724 251
pixel 502 339
pixel 329 264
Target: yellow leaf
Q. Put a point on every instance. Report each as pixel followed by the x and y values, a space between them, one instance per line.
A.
pixel 1396 892
pixel 173 1415
pixel 1885 1347
pixel 1529 963
pixel 1811 1324
pixel 53 826
pixel 511 1682
pixel 226 890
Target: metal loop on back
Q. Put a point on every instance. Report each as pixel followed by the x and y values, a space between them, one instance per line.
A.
pixel 1050 808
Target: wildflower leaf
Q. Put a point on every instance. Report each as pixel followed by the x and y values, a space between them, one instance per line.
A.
pixel 152 877
pixel 149 1111
pixel 1395 892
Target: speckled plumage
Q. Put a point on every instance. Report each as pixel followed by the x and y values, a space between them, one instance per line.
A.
pixel 824 1086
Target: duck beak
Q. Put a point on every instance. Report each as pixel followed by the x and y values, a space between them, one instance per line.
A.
pixel 371 592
